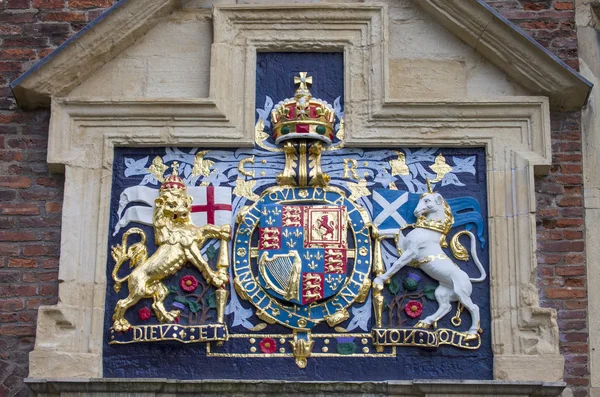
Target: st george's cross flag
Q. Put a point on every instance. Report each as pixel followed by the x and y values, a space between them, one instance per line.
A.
pixel 210 205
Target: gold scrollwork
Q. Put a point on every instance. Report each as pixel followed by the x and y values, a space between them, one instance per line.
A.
pixel 302 348
pixel 319 178
pixel 201 165
pixel 245 189
pixel 287 177
pixel 399 166
pixel 440 167
pixel 158 169
pixel 358 189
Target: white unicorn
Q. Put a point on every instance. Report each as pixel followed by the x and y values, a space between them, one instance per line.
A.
pixel 422 248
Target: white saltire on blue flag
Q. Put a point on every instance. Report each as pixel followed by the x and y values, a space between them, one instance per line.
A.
pixel 393 209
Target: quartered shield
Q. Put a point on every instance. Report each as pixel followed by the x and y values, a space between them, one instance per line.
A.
pixel 302 251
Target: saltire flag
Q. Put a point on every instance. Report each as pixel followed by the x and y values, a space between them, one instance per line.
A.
pixel 394 209
pixel 210 205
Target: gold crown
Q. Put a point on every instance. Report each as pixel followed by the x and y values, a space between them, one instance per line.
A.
pixel 303 117
pixel 173 182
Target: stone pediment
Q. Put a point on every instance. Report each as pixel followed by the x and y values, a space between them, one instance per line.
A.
pixel 477 25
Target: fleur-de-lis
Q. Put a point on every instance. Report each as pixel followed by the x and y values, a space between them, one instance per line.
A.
pixel 291 243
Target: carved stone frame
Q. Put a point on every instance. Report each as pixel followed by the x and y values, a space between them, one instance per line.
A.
pixel 515 132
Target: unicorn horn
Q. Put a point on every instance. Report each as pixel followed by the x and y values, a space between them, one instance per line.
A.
pixel 429 185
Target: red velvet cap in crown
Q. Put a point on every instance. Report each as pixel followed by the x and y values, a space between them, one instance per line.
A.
pixel 173 182
pixel 303 117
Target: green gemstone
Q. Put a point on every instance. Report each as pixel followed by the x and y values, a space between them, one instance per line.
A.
pixel 320 129
pixel 285 130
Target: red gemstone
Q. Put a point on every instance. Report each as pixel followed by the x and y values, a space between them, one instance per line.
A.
pixel 313 112
pixel 292 114
pixel 302 128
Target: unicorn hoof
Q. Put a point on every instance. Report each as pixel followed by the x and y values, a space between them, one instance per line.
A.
pixel 422 324
pixel 470 337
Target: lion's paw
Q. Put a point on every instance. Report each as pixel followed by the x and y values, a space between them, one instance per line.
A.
pixel 121 325
pixel 172 315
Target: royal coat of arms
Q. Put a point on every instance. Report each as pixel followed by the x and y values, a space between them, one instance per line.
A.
pixel 316 246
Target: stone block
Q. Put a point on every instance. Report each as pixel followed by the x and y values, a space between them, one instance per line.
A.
pixel 427 78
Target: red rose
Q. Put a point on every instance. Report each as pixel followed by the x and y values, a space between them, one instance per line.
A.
pixel 413 309
pixel 188 283
pixel 268 345
pixel 144 314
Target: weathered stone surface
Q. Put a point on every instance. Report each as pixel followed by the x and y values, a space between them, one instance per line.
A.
pixel 172 388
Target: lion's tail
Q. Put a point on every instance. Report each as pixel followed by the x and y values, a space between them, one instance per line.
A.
pixel 461 253
pixel 120 255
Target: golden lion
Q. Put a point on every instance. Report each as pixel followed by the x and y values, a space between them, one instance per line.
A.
pixel 179 242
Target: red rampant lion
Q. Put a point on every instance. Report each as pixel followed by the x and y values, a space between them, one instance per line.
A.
pixel 327 224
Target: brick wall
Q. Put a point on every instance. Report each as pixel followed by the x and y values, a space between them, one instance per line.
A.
pixel 560 224
pixel 30 197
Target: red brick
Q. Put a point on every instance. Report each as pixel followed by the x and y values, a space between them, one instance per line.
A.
pixel 39 250
pixel 28 317
pixel 19 209
pixel 571 201
pixel 9 249
pixel 60 16
pixel 562 246
pixel 53 207
pixel 24 54
pixel 17 236
pixel 575 304
pixel 15 182
pixel 50 264
pixel 39 277
pixel 17 290
pixel 89 3
pixel 49 289
pixel 564 5
pixel 565 293
pixel 14 304
pixel 35 303
pixel 17 330
pixel 575 282
pixel 9 317
pixel 49 3
pixel 6 29
pixel 570 271
pixel 20 262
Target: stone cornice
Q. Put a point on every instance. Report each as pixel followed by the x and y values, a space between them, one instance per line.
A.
pixel 472 21
pixel 416 388
pixel 92 47
pixel 512 50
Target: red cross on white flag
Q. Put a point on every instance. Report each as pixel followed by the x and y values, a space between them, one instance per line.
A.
pixel 211 205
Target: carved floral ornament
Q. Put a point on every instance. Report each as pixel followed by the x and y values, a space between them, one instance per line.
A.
pixel 322 205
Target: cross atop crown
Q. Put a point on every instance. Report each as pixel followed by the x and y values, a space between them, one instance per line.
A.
pixel 303 82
